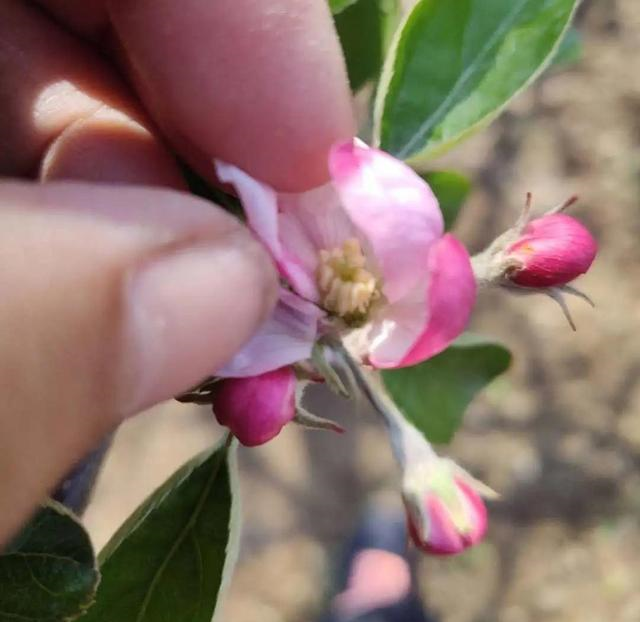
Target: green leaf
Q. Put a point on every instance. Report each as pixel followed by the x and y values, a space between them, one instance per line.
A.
pixel 455 64
pixel 435 394
pixel 570 50
pixel 451 188
pixel 337 6
pixel 364 29
pixel 166 562
pixel 48 573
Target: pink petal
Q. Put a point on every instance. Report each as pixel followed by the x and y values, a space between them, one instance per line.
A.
pixel 255 409
pixel 320 214
pixel 417 329
pixel 452 295
pixel 477 511
pixel 285 338
pixel 395 331
pixel 260 204
pixel 394 209
pixel 443 537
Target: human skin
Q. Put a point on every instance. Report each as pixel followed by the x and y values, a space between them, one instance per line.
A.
pixel 117 291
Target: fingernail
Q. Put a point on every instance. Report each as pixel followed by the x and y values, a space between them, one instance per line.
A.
pixel 189 311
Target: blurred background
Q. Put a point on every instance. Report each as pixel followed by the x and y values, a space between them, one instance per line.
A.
pixel 558 435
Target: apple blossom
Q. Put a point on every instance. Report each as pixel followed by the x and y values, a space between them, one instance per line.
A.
pixel 364 257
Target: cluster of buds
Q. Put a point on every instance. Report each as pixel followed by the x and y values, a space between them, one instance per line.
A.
pixel 370 281
pixel 540 255
pixel 443 502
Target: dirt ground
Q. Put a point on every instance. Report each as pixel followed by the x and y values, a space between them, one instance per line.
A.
pixel 558 435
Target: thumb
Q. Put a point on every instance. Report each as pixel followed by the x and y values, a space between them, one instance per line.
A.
pixel 106 311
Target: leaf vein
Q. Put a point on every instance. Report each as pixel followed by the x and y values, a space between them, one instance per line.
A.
pixel 461 82
pixel 181 537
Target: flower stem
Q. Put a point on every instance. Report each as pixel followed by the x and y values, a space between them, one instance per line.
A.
pixel 407 443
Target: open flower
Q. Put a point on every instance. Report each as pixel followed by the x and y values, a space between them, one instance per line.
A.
pixel 363 256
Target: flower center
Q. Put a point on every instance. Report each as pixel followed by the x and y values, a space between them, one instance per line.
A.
pixel 347 288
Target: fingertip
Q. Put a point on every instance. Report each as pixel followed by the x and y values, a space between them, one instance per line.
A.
pixel 111 309
pixel 156 289
pixel 262 85
pixel 190 311
pixel 67 115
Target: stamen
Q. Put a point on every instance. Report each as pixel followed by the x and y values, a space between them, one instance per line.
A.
pixel 347 287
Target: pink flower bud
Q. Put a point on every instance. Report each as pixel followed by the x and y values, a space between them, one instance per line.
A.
pixel 552 251
pixel 256 408
pixel 452 519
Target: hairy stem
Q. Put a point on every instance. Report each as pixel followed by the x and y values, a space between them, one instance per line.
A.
pixel 407 443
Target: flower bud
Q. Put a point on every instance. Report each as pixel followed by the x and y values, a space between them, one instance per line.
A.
pixel 256 408
pixel 445 514
pixel 551 251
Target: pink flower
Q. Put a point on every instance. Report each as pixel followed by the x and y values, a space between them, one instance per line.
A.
pixel 363 256
pixel 448 516
pixel 255 409
pixel 552 250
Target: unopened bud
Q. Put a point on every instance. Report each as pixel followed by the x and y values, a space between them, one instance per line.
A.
pixel 541 255
pixel 255 409
pixel 445 512
pixel 552 251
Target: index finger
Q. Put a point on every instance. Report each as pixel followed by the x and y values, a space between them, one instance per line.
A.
pixel 259 84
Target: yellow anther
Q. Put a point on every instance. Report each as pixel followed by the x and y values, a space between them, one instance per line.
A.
pixel 347 288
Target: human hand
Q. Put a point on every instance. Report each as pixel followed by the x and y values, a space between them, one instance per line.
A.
pixel 116 297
